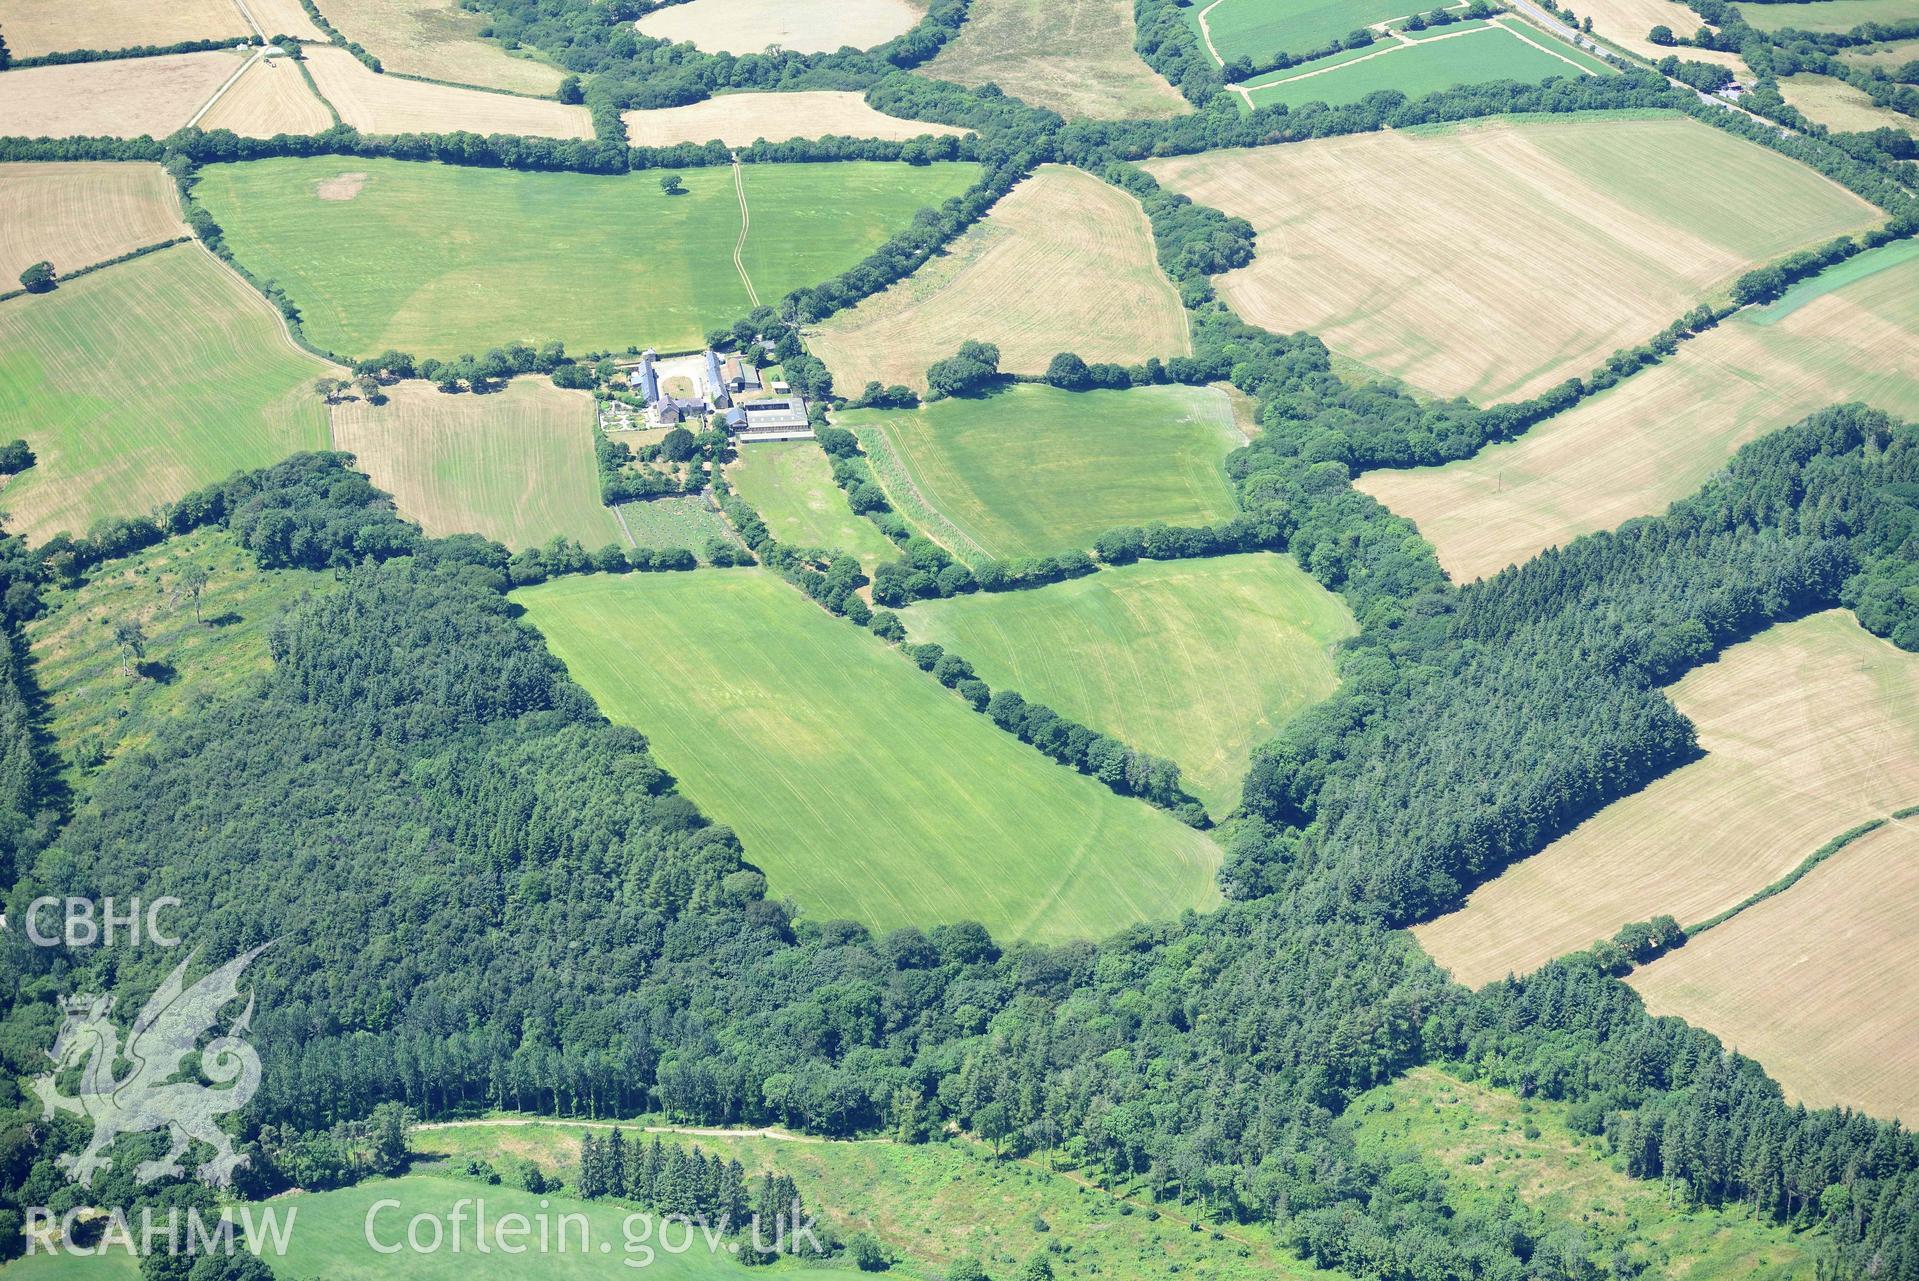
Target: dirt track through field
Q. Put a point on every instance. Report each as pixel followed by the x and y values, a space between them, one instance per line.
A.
pixel 746 225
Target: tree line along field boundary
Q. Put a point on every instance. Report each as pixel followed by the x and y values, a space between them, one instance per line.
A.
pixel 1798 874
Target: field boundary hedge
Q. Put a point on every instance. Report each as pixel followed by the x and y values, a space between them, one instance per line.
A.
pixel 67 57
pixel 61 278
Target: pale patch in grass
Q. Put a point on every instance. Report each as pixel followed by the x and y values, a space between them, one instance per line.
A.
pixel 124 98
pixel 74 213
pixel 270 97
pixel 392 104
pixel 1074 56
pixel 439 40
pixel 36 27
pixel 740 119
pixel 802 26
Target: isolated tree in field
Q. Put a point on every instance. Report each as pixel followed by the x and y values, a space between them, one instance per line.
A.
pixel 329 388
pixel 131 639
pixel 672 185
pixel 1036 1269
pixel 37 279
pixel 192 584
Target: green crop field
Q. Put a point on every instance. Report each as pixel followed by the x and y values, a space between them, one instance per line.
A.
pixel 1258 29
pixel 859 785
pixel 1477 54
pixel 676 521
pixel 1034 470
pixel 1194 660
pixel 142 382
pixel 790 484
pixel 438 260
pixel 1826 15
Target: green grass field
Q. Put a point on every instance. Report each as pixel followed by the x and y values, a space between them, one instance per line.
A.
pixel 439 260
pixel 859 785
pixel 142 382
pixel 1033 470
pixel 1258 29
pixel 1826 15
pixel 1194 660
pixel 674 522
pixel 1439 60
pixel 790 484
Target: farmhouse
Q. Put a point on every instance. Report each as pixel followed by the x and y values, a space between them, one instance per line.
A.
pixel 662 408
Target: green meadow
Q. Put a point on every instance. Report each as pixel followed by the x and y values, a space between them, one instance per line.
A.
pixel 1031 470
pixel 142 382
pixel 1194 660
pixel 860 786
pixel 790 484
pixel 439 260
pixel 1436 61
pixel 1258 29
pixel 1826 15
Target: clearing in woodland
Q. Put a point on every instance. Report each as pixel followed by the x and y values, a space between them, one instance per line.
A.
pixel 439 40
pixel 515 465
pixel 123 98
pixel 270 97
pixel 801 26
pixel 1034 471
pixel 36 27
pixel 76 213
pixel 1848 334
pixel 740 119
pixel 1808 729
pixel 860 786
pixel 1073 56
pixel 790 484
pixel 439 260
pixel 1193 660
pixel 1494 260
pixel 140 383
pixel 1817 982
pixel 374 103
pixel 1063 262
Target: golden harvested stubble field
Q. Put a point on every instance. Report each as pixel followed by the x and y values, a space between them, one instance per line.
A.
pixel 740 119
pixel 270 97
pixel 1074 56
pixel 124 98
pixel 75 213
pixel 390 104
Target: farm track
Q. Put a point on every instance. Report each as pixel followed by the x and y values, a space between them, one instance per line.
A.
pixel 746 225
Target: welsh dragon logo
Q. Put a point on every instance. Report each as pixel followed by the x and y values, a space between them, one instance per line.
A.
pixel 148 1097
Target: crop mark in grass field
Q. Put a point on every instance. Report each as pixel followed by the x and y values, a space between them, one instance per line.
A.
pixel 123 98
pixel 790 484
pixel 438 260
pixel 1808 729
pixel 439 40
pixel 1075 57
pixel 1816 983
pixel 800 26
pixel 740 119
pixel 1193 660
pixel 75 213
pixel 1493 260
pixel 1461 55
pixel 1033 470
pixel 137 384
pixel 270 97
pixel 515 465
pixel 36 27
pixel 1848 334
pixel 375 103
pixel 861 787
pixel 1063 262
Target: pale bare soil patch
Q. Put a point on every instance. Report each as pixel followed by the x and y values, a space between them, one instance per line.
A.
pixel 1809 729
pixel 804 26
pixel 1063 262
pixel 344 187
pixel 124 98
pixel 740 119
pixel 1838 106
pixel 1494 260
pixel 285 18
pixel 377 103
pixel 1659 435
pixel 1818 983
pixel 36 27
pixel 74 213
pixel 1074 56
pixel 270 97
pixel 437 39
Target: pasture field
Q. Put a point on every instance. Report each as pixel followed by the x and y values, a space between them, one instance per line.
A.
pixel 1493 1145
pixel 1808 729
pixel 1258 29
pixel 439 260
pixel 1034 471
pixel 802 26
pixel 1840 107
pixel 1825 15
pixel 790 484
pixel 376 103
pixel 795 729
pixel 285 18
pixel 1073 56
pixel 78 212
pixel 515 465
pixel 36 27
pixel 678 521
pixel 1193 660
pixel 1426 253
pixel 270 97
pixel 1846 335
pixel 1816 982
pixel 740 119
pixel 1063 262
pixel 1892 55
pixel 124 98
pixel 439 40
pixel 1461 55
pixel 137 384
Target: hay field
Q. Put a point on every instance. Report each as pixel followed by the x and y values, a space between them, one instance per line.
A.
pixel 1809 729
pixel 515 465
pixel 740 119
pixel 1494 260
pixel 440 40
pixel 74 213
pixel 124 98
pixel 1460 55
pixel 270 97
pixel 1659 435
pixel 790 484
pixel 1626 23
pixel 439 260
pixel 1840 107
pixel 285 18
pixel 36 27
pixel 1035 471
pixel 1816 983
pixel 1073 56
pixel 137 384
pixel 1193 660
pixel 860 786
pixel 1063 262
pixel 1892 55
pixel 389 104
pixel 802 26
pixel 1825 15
